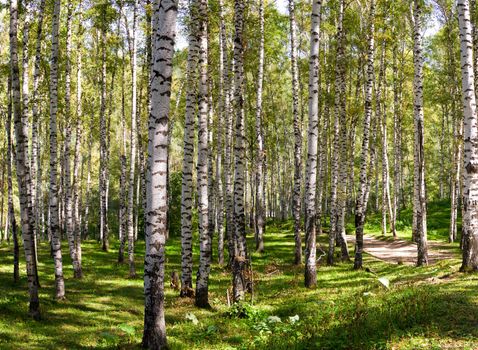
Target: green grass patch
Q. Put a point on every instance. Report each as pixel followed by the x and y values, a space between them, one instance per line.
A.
pixel 425 308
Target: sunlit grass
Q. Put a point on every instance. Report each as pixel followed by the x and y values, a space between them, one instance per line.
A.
pixel 426 308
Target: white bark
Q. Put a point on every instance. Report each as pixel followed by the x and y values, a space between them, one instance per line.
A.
pixel 470 190
pixel 312 145
pixel 164 25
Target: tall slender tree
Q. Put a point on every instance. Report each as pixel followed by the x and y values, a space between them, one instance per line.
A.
pixel 188 147
pixel 312 144
pixel 361 203
pixel 470 190
pixel 164 33
pixel 297 135
pixel 202 166
pixel 66 157
pixel 223 112
pixel 23 168
pixel 133 137
pixel 259 210
pixel 419 198
pixel 53 195
pixel 240 262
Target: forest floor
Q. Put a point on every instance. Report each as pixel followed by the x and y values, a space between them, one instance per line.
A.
pixel 384 306
pixel 400 251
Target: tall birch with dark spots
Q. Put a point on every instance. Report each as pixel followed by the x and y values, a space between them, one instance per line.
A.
pixel 419 194
pixel 53 195
pixel 310 274
pixel 202 166
pixel 188 155
pixel 240 262
pixel 164 33
pixel 470 190
pixel 259 217
pixel 103 234
pixel 296 197
pixel 361 203
pixel 133 139
pixel 23 167
pixel 223 112
pixel 66 157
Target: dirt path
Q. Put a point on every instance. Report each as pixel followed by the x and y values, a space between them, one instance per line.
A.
pixel 399 251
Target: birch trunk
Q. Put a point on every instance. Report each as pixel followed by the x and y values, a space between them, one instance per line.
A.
pixel 419 198
pixel 228 178
pixel 77 180
pixel 103 149
pixel 361 204
pixel 202 166
pixel 187 165
pixel 11 221
pixel 396 138
pixel 164 24
pixel 223 111
pixel 67 185
pixel 53 191
pixel 259 217
pixel 310 275
pixel 130 222
pixel 297 136
pixel 23 168
pixel 240 262
pixel 339 167
pixel 35 155
pixel 470 190
pixel 123 181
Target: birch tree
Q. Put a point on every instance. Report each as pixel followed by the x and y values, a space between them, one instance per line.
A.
pixel 23 168
pixel 202 166
pixel 259 217
pixel 361 203
pixel 164 32
pixel 223 112
pixel 419 197
pixel 188 148
pixel 470 190
pixel 297 136
pixel 66 166
pixel 240 262
pixel 130 222
pixel 53 195
pixel 312 144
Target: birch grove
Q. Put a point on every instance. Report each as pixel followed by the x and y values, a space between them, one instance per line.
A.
pixel 153 142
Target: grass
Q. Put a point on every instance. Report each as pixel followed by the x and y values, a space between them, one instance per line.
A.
pixel 432 307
